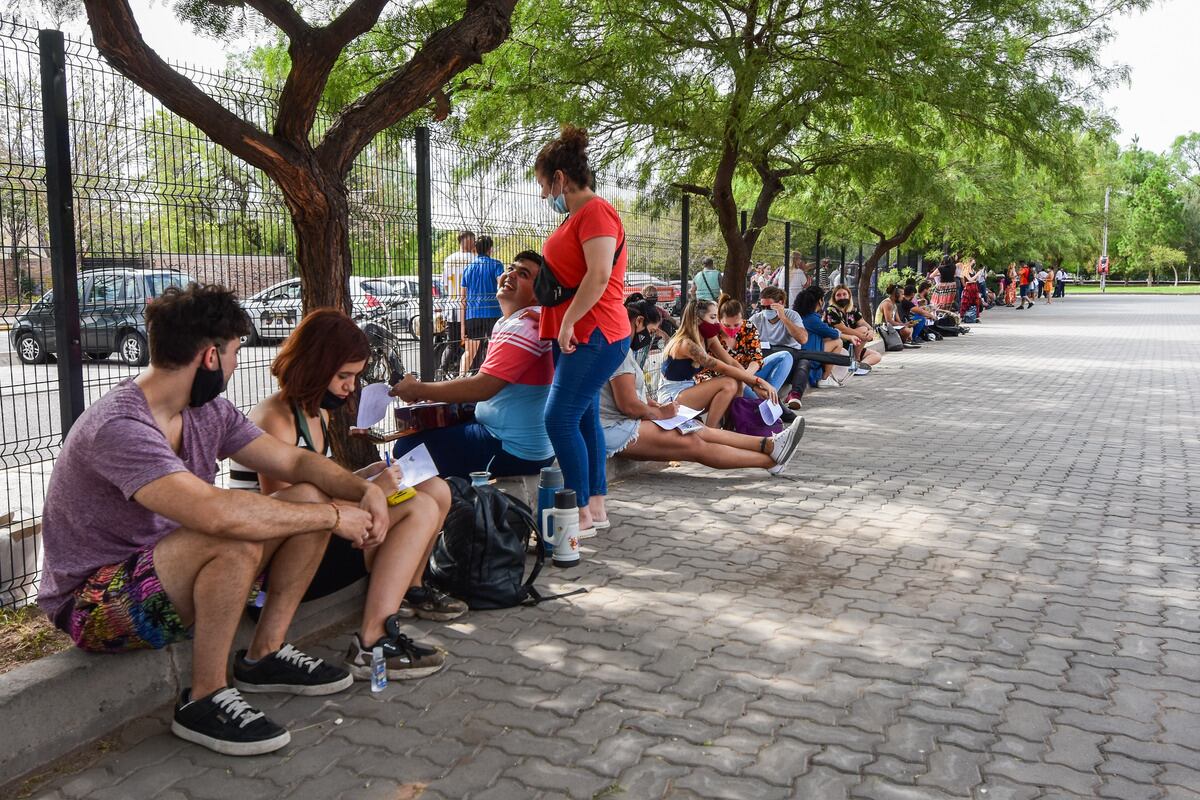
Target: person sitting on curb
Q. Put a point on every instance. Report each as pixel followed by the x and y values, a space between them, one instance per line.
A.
pixel 848 321
pixel 740 340
pixel 888 313
pixel 821 338
pixel 697 346
pixel 626 415
pixel 508 436
pixel 142 550
pixel 781 329
pixel 318 370
pixel 910 311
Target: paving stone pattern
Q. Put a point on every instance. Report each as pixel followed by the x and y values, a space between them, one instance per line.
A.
pixel 980 581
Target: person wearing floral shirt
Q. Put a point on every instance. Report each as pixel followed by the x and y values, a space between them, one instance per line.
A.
pixel 741 341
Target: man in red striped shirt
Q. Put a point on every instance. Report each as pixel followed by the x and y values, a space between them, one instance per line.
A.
pixel 508 436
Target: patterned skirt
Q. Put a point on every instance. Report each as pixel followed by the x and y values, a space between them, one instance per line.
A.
pixel 943 295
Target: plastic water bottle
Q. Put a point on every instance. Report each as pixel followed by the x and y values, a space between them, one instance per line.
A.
pixel 481 478
pixel 378 670
pixel 549 481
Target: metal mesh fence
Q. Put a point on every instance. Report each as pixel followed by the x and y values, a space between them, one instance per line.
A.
pixel 156 203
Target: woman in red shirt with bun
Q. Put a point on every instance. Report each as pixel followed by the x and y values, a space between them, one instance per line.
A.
pixel 589 325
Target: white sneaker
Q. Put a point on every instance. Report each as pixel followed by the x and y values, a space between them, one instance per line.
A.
pixel 786 445
pixel 828 383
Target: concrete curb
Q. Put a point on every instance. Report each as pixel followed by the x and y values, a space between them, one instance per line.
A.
pixel 60 703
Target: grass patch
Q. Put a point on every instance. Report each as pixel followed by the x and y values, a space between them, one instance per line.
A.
pixel 27 635
pixel 1133 288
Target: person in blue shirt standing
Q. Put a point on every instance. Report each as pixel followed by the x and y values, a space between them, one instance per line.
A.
pixel 480 309
pixel 821 338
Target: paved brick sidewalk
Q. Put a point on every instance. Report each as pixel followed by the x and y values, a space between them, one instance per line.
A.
pixel 1004 609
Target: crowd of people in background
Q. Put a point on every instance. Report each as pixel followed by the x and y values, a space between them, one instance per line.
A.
pixel 144 550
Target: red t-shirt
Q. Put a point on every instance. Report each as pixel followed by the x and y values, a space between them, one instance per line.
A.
pixel 1025 272
pixel 564 249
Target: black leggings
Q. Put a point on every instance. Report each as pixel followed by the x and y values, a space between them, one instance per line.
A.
pixel 798 377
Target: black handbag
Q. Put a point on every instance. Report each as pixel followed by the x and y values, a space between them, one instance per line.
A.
pixel 550 292
pixel 892 342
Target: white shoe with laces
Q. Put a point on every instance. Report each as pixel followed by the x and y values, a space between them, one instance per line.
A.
pixel 787 444
pixel 828 383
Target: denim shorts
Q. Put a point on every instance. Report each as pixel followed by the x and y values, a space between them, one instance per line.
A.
pixel 620 435
pixel 668 390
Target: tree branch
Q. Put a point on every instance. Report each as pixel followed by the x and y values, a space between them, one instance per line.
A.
pixel 691 188
pixel 314 53
pixel 445 54
pixel 119 40
pixel 279 13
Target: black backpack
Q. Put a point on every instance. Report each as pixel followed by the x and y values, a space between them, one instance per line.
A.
pixel 480 556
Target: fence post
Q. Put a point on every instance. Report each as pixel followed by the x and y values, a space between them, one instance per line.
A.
pixel 787 260
pixel 61 219
pixel 817 259
pixel 425 252
pixel 685 247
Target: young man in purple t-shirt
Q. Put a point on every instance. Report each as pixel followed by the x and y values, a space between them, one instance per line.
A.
pixel 142 550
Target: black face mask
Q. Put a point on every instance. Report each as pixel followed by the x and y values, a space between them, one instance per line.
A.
pixel 641 339
pixel 331 402
pixel 207 385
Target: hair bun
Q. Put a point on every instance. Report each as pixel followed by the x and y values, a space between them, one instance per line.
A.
pixel 573 138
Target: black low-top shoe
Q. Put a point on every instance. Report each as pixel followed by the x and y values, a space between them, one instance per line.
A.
pixel 225 723
pixel 289 671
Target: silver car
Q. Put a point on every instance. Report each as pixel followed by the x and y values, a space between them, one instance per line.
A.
pixel 275 311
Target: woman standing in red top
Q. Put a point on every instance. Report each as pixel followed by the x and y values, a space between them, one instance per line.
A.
pixel 591 328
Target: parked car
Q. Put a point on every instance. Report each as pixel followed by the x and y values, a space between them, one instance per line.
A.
pixel 112 316
pixel 667 290
pixel 275 311
pixel 403 303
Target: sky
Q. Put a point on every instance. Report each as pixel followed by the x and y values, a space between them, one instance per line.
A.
pixel 1159 45
pixel 1162 100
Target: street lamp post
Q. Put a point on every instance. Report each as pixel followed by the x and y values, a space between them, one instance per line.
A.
pixel 1104 245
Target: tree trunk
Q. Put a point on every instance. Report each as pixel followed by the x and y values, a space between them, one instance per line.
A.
pixel 737 256
pixel 882 246
pixel 321 219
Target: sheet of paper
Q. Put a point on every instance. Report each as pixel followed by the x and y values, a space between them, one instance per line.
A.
pixel 770 412
pixel 690 426
pixel 416 466
pixel 674 422
pixel 373 405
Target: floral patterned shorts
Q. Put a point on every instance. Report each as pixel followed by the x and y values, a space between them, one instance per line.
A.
pixel 124 607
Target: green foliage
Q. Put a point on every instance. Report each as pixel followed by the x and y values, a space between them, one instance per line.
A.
pixel 898 277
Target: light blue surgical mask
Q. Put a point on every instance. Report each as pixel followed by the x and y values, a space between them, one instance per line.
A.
pixel 557 202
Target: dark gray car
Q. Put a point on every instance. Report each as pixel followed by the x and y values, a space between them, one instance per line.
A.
pixel 112 316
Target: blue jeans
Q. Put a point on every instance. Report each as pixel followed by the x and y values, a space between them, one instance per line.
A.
pixel 573 412
pixel 463 449
pixel 919 329
pixel 775 370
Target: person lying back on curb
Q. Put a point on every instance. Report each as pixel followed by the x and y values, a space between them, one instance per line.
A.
pixel 627 418
pixel 318 370
pixel 142 550
pixel 508 436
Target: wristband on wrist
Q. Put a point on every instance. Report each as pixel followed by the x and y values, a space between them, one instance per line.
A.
pixel 337 518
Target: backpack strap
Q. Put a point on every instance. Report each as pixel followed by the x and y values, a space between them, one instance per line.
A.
pixel 506 503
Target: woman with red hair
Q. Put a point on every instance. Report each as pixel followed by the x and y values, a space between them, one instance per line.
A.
pixel 318 371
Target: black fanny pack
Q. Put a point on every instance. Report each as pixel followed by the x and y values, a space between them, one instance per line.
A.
pixel 550 292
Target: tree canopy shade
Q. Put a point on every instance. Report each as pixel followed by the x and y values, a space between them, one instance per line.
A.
pixel 735 101
pixel 310 170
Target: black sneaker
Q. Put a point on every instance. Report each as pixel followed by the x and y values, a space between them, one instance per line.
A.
pixel 429 603
pixel 405 658
pixel 289 671
pixel 225 723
